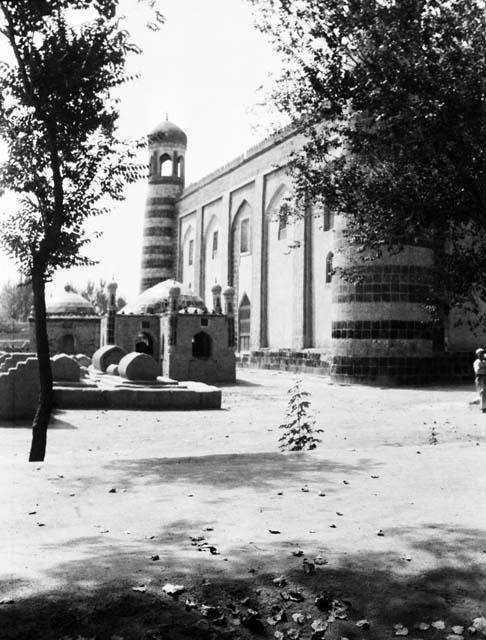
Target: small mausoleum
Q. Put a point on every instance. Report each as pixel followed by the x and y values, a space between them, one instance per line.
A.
pixel 171 324
pixel 73 326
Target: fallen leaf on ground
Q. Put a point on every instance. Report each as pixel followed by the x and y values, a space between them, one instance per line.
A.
pixel 274 531
pixel 422 626
pixel 380 533
pixel 400 629
pixel 279 635
pixel 299 618
pixel 278 615
pixel 293 634
pixel 173 590
pixel 321 494
pixel 294 596
pixel 319 625
pixel 113 490
pixel 438 624
pixel 319 560
pixel 458 629
pixel 281 581
pixel 155 557
pixel 363 624
pixel 190 604
pixel 453 636
pixel 479 624
pixel 298 553
pixel 210 612
pixel 142 588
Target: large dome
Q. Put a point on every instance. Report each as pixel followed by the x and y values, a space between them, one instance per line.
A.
pixel 70 304
pixel 169 133
pixel 156 299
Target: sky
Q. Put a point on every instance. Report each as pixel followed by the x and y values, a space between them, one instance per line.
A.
pixel 204 69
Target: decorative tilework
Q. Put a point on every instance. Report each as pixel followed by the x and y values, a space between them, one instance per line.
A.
pixel 382 329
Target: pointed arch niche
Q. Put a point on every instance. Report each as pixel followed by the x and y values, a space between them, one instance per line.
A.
pixel 213 258
pixel 278 274
pixel 241 257
pixel 186 258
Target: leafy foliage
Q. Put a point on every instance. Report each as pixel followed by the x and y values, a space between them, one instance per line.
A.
pixel 15 301
pixel 97 294
pixel 299 428
pixel 392 97
pixel 58 120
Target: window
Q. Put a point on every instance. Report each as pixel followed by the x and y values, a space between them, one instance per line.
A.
pixel 327 219
pixel 165 165
pixel 282 225
pixel 190 256
pixel 329 269
pixel 245 235
pixel 244 323
pixel 215 245
pixel 201 346
pixel 180 167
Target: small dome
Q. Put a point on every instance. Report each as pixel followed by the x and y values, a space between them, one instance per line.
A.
pixel 70 304
pixel 169 133
pixel 156 299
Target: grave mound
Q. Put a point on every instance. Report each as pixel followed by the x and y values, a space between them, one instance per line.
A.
pixel 138 366
pixel 109 354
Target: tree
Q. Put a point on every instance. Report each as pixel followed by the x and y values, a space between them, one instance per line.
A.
pixel 15 301
pixel 391 95
pixel 97 294
pixel 299 430
pixel 58 120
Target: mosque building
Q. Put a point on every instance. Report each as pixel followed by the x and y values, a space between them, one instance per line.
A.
pixel 222 237
pixel 291 311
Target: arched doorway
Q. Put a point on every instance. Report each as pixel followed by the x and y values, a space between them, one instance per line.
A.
pixel 144 344
pixel 68 344
pixel 244 323
pixel 201 346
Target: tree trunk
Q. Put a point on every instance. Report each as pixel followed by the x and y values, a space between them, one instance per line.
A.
pixel 44 408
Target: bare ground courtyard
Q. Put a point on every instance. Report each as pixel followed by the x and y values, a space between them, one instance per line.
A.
pixel 121 494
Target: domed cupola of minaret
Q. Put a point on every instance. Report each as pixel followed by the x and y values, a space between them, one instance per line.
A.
pixel 167 146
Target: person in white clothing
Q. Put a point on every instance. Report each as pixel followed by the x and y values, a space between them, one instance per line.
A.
pixel 479 367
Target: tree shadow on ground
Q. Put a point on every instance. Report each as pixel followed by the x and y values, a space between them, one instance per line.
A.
pixel 55 423
pixel 94 597
pixel 259 471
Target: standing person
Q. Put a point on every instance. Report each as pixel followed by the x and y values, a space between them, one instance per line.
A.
pixel 479 367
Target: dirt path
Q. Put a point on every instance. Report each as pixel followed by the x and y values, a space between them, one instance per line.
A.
pixel 72 550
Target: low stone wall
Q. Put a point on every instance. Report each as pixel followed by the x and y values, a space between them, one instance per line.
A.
pixel 305 361
pixel 19 392
pixel 194 396
pixel 444 368
pixel 439 369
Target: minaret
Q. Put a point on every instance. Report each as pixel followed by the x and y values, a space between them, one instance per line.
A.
pixel 167 146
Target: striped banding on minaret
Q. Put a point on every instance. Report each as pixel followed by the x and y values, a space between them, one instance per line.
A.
pixel 167 147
